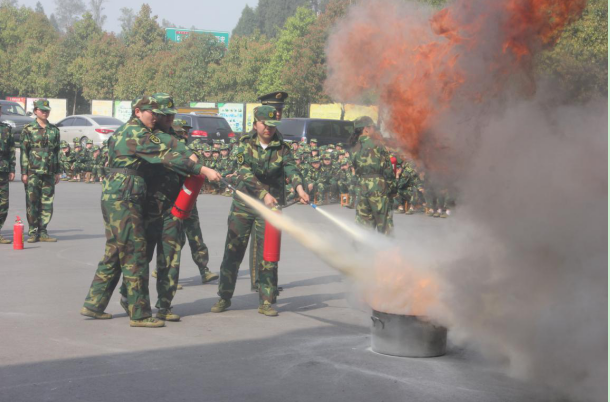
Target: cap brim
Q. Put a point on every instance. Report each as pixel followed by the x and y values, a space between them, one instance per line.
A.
pixel 169 111
pixel 271 123
pixel 44 108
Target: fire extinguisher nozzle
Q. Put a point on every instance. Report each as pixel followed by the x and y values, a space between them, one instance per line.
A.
pixel 314 206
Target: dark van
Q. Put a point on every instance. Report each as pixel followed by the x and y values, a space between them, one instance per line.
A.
pixel 207 127
pixel 326 131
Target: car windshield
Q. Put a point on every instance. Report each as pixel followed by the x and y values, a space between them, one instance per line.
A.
pixel 13 109
pixel 292 127
pixel 213 124
pixel 107 121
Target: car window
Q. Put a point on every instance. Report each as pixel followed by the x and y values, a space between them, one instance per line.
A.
pixel 343 129
pixel 66 122
pixel 12 108
pixel 292 127
pixel 213 124
pixel 107 121
pixel 187 119
pixel 81 122
pixel 319 129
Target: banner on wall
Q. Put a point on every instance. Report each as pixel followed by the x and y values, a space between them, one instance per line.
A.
pixel 325 111
pixel 234 114
pixel 102 107
pixel 17 99
pixel 250 115
pixel 352 112
pixel 58 108
pixel 122 110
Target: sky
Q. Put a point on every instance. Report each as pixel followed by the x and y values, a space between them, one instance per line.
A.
pixel 202 14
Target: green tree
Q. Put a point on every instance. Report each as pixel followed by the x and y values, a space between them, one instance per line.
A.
pixel 39 8
pixel 236 77
pixel 272 14
pixel 97 11
pixel 248 23
pixel 101 61
pixel 296 27
pixel 579 61
pixel 146 36
pixel 67 12
pixel 304 73
pixel 127 17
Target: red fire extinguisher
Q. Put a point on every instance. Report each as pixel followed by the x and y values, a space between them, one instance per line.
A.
pixel 273 241
pixel 18 234
pixel 187 197
pixel 394 161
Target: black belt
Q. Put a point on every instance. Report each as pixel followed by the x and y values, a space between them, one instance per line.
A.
pixel 371 176
pixel 125 171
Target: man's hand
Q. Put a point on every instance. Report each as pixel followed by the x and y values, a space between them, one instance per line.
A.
pixel 11 176
pixel 211 174
pixel 269 201
pixel 24 178
pixel 304 196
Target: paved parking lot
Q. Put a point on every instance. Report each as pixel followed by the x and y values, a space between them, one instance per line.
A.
pixel 318 349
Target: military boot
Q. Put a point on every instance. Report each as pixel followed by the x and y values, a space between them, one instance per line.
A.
pixel 33 237
pixel 166 314
pixel 94 314
pixel 44 236
pixel 267 309
pixel 4 240
pixel 208 276
pixel 125 306
pixel 147 323
pixel 221 305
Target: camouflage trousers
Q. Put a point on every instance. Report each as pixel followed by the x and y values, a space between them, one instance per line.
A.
pixel 3 198
pixel 374 210
pixel 199 250
pixel 39 195
pixel 125 253
pixel 242 222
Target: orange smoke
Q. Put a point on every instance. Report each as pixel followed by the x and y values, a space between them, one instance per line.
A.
pixel 416 65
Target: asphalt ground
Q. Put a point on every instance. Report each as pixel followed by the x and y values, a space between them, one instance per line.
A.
pixel 318 349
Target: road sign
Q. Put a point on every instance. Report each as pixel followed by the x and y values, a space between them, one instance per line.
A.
pixel 179 34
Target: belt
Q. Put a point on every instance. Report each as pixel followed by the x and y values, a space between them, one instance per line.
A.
pixel 125 171
pixel 371 176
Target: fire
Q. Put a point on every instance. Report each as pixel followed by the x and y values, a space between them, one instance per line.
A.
pixel 417 66
pixel 398 288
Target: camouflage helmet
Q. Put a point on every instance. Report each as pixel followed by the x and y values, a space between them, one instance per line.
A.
pixel 42 104
pixel 266 114
pixel 145 103
pixel 166 102
pixel 363 121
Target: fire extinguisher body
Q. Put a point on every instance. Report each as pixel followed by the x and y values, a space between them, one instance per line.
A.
pixel 273 242
pixel 18 234
pixel 394 162
pixel 187 197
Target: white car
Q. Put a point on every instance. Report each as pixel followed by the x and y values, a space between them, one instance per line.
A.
pixel 94 127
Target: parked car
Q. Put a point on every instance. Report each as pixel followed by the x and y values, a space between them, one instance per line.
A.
pixel 14 115
pixel 94 127
pixel 207 127
pixel 326 131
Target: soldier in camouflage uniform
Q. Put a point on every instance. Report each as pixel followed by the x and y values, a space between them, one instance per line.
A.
pixel 264 160
pixel 313 181
pixel 40 170
pixel 7 171
pixel 132 148
pixel 77 166
pixel 375 176
pixel 65 160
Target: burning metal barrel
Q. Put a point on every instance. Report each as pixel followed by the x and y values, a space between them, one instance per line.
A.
pixel 407 336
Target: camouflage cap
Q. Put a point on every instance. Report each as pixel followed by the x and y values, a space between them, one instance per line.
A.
pixel 232 140
pixel 224 148
pixel 313 141
pixel 63 144
pixel 77 145
pixel 75 140
pixel 206 148
pixel 341 152
pixel 166 102
pixel 95 148
pixel 89 141
pixel 146 103
pixel 42 104
pixel 182 123
pixel 363 121
pixel 314 159
pixel 266 114
pixel 215 150
pixel 339 144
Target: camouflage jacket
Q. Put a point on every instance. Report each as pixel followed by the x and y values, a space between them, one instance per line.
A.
pixel 313 175
pixel 134 146
pixel 39 149
pixel 261 171
pixel 7 149
pixel 373 168
pixel 225 166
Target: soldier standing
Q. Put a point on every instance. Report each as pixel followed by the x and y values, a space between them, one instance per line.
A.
pixel 264 160
pixel 375 175
pixel 7 170
pixel 132 148
pixel 40 170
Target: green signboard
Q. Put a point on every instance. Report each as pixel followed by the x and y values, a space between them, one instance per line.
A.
pixel 178 34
